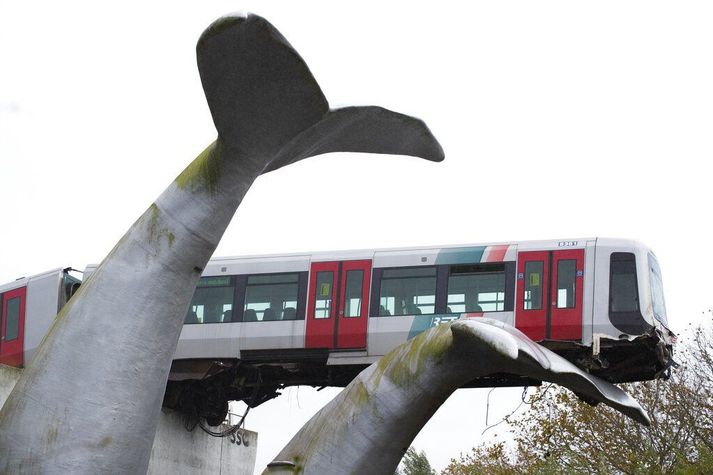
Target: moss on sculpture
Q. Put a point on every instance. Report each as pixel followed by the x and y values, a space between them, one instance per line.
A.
pixel 203 172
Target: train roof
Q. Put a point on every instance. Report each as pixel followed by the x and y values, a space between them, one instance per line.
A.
pixel 23 281
pixel 290 262
pixel 368 253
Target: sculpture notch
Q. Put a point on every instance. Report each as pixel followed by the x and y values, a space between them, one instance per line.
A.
pixel 89 401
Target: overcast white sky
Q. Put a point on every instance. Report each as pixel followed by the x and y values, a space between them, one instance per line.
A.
pixel 558 119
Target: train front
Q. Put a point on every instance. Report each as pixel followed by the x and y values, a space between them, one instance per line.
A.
pixel 631 339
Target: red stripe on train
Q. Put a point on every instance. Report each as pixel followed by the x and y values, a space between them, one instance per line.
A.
pixel 473 314
pixel 496 253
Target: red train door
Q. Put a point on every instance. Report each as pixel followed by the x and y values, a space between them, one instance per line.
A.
pixel 338 305
pixel 12 327
pixel 549 294
pixel 567 292
pixel 531 302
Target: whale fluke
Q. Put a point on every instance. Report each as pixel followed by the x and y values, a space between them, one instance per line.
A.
pixel 368 129
pixel 369 425
pixel 535 361
pixel 90 399
pixel 265 101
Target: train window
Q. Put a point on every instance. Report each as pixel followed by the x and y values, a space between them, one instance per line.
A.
pixel 476 288
pixel 623 289
pixel 271 297
pixel 657 290
pixel 352 298
pixel 534 276
pixel 566 281
pixel 12 321
pixel 71 286
pixel 409 291
pixel 212 302
pixel 323 295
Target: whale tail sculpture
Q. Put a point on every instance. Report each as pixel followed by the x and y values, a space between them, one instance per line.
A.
pixel 90 399
pixel 265 102
pixel 370 424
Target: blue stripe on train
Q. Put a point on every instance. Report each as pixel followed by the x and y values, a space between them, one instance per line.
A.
pixel 460 255
pixel 424 322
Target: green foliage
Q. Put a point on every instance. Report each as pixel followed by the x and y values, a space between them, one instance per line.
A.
pixel 494 459
pixel 561 434
pixel 415 463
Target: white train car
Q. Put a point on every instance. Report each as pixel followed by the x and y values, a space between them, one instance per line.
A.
pixel 257 324
pixel 29 305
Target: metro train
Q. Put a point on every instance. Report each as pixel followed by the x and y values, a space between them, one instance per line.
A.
pixel 258 324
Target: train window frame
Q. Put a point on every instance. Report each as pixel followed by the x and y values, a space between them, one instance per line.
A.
pixel 70 286
pixel 485 268
pixel 239 285
pixel 377 282
pixel 628 321
pixel 15 319
pixel 230 284
pixel 301 283
pixel 360 287
pixel 529 285
pixel 319 283
pixel 573 283
pixel 628 258
pixel 442 271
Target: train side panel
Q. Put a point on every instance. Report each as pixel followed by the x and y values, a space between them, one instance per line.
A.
pixel 589 280
pixel 43 297
pixel 41 301
pixel 228 339
pixel 277 335
pixel 217 340
pixel 627 312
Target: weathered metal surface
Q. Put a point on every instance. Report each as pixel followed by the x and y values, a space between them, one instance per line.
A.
pixel 368 426
pixel 97 381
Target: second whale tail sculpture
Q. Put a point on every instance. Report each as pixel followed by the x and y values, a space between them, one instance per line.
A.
pixel 90 399
pixel 369 425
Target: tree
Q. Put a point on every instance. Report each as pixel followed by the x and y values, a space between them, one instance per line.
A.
pixel 561 434
pixel 415 463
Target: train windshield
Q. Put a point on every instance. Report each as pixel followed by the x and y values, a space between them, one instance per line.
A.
pixel 657 290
